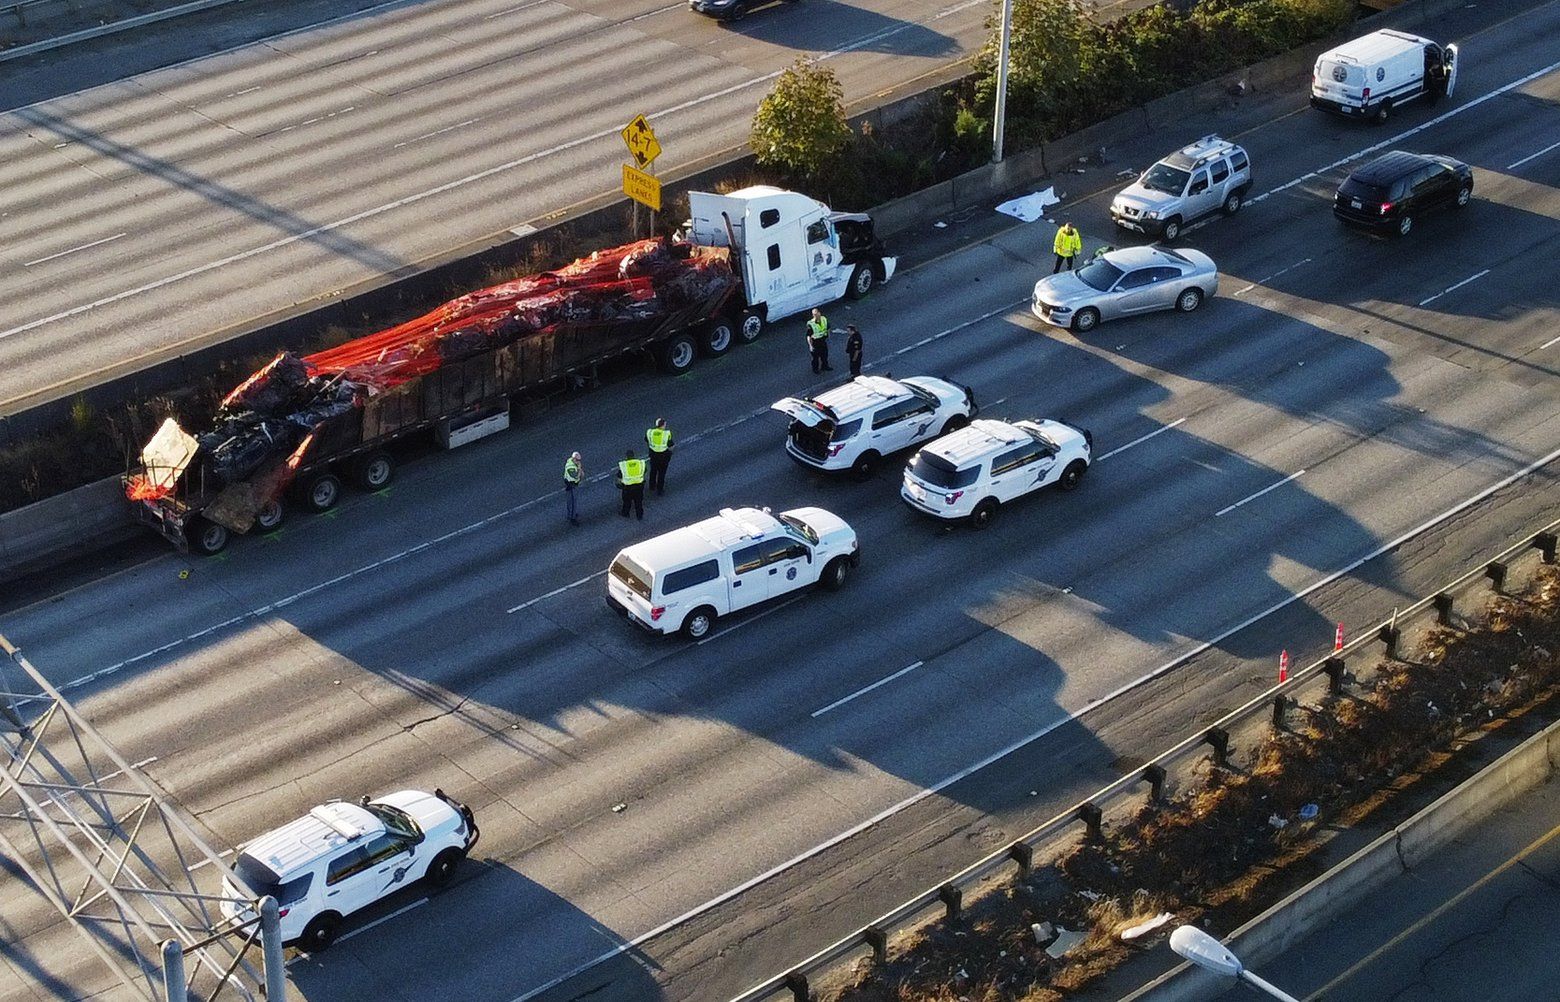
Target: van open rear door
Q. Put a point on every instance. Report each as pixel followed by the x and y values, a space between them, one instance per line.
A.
pixel 1450 61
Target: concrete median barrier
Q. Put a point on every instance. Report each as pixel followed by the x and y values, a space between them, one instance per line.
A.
pixel 79 521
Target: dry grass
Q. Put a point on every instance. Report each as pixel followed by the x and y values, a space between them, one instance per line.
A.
pixel 1213 847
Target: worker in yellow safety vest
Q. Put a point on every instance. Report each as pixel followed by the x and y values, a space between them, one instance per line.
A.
pixel 818 341
pixel 631 481
pixel 1067 245
pixel 573 476
pixel 660 441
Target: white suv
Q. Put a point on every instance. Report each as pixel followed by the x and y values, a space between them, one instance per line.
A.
pixel 688 578
pixel 1211 175
pixel 974 471
pixel 853 426
pixel 342 857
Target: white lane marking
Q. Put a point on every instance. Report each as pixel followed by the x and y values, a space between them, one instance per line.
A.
pixel 382 920
pixel 512 10
pixel 996 403
pixel 951 330
pixel 95 243
pixel 1533 156
pixel 557 591
pixel 751 619
pixel 447 186
pixel 246 90
pixel 437 132
pixel 1253 497
pixel 1513 85
pixel 866 689
pixel 1264 281
pixel 1546 344
pixel 1454 288
pixel 1140 440
pixel 997 756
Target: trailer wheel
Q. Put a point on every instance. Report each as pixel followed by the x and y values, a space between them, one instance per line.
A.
pixel 716 338
pixel 321 492
pixel 270 515
pixel 207 538
pixel 677 354
pixel 750 327
pixel 374 471
pixel 861 281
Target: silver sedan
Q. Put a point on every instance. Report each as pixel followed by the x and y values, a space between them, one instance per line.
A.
pixel 1122 282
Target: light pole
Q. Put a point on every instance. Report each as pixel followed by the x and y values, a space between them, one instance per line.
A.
pixel 1212 955
pixel 1000 123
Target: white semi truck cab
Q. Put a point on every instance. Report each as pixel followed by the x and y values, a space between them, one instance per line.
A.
pixel 793 252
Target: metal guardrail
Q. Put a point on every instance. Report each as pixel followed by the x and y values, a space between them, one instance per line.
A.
pixel 949 895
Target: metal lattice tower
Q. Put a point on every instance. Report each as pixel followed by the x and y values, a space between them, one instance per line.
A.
pixel 120 861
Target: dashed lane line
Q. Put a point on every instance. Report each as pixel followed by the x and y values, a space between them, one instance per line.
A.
pixel 1140 440
pixel 1454 288
pixel 1252 497
pixel 866 689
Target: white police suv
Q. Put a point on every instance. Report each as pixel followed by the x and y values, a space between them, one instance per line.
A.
pixel 853 426
pixel 342 857
pixel 688 578
pixel 974 471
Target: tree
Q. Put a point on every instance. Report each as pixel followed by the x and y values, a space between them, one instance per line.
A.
pixel 801 124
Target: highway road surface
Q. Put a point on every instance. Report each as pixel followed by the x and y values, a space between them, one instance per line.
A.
pixel 149 215
pixel 1340 394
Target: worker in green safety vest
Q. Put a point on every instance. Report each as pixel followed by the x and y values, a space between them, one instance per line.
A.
pixel 818 341
pixel 631 481
pixel 660 441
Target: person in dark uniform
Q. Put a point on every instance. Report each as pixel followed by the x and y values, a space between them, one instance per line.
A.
pixel 659 439
pixel 631 481
pixel 853 349
pixel 573 476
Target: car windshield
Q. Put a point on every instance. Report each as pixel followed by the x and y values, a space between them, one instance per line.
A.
pixel 1099 275
pixel 1042 438
pixel 800 528
pixel 938 472
pixel 631 574
pixel 395 819
pixel 1163 177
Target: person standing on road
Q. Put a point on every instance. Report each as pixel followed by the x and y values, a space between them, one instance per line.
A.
pixel 818 341
pixel 661 444
pixel 573 476
pixel 1067 245
pixel 853 349
pixel 631 481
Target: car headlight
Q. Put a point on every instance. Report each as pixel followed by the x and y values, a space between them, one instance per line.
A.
pixel 1150 213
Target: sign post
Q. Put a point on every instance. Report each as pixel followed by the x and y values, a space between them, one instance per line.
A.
pixel 639 183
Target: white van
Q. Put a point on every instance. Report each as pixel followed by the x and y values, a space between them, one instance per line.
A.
pixel 688 578
pixel 1368 77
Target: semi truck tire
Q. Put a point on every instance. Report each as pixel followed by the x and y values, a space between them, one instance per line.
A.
pixel 676 355
pixel 749 326
pixel 717 337
pixel 861 281
pixel 320 492
pixel 206 537
pixel 374 471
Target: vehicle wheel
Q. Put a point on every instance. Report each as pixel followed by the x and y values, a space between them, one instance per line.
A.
pixel 1085 320
pixel 320 932
pixel 1232 203
pixel 1383 112
pixel 442 870
pixel 321 492
pixel 954 424
pixel 208 538
pixel 374 471
pixel 984 514
pixel 1464 196
pixel 677 354
pixel 865 464
pixel 1172 228
pixel 1405 224
pixel 270 515
pixel 861 281
pixel 717 338
pixel 699 623
pixel 835 574
pixel 1073 475
pixel 1189 300
pixel 751 326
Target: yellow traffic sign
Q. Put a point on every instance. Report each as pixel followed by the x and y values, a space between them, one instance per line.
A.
pixel 641 187
pixel 641 142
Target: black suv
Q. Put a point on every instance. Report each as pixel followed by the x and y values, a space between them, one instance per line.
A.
pixel 1387 194
pixel 728 10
